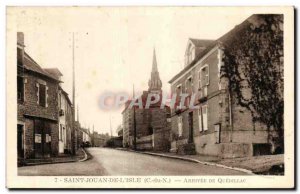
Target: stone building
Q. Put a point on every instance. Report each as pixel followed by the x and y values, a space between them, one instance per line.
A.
pixel 65 122
pixel 221 125
pixel 152 124
pixel 37 107
pixel 65 115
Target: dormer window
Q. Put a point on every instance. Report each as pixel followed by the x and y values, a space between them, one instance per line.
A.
pixel 190 54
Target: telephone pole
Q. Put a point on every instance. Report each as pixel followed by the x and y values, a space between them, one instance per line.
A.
pixel 134 122
pixel 73 134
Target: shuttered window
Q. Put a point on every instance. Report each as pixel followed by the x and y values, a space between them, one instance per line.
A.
pixel 203 118
pixel 180 126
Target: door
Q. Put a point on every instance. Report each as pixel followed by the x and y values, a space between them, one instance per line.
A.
pixel 191 129
pixel 20 140
pixel 42 139
pixel 218 133
pixel 47 139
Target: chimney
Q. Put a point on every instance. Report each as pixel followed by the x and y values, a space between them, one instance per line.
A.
pixel 20 48
pixel 20 39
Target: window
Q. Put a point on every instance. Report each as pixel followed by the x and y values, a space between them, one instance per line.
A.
pixel 203 80
pixel 180 126
pixel 150 129
pixel 203 118
pixel 178 90
pixel 190 54
pixel 189 85
pixel 20 88
pixel 178 95
pixel 204 76
pixel 42 95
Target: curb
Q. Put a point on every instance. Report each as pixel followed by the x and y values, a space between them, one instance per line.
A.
pixel 59 162
pixel 194 160
pixel 43 163
pixel 85 156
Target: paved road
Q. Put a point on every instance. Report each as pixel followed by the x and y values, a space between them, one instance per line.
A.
pixel 116 162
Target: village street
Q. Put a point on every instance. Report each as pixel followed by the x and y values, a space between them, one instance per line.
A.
pixel 113 162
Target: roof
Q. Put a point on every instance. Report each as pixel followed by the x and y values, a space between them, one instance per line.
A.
pixel 225 39
pixel 31 65
pixel 66 95
pixel 201 42
pixel 54 71
pixel 84 130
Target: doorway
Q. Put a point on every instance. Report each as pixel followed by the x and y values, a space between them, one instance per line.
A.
pixel 42 139
pixel 20 139
pixel 191 129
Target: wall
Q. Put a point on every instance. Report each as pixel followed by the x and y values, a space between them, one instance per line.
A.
pixel 31 108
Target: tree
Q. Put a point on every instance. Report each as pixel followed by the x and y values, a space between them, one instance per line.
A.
pixel 253 61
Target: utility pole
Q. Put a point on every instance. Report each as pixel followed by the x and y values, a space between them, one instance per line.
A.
pixel 134 122
pixel 73 134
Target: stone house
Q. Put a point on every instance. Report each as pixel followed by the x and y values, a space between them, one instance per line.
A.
pixel 65 122
pixel 220 125
pixel 152 124
pixel 65 115
pixel 37 107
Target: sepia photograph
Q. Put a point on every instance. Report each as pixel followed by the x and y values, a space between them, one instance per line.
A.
pixel 150 97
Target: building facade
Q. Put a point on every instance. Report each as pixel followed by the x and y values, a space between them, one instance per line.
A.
pixel 65 115
pixel 37 129
pixel 220 125
pixel 65 122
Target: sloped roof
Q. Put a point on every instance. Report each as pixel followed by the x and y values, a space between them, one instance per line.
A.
pixel 201 42
pixel 66 95
pixel 85 130
pixel 31 65
pixel 54 71
pixel 226 38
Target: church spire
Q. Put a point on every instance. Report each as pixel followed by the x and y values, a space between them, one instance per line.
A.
pixel 154 83
pixel 154 62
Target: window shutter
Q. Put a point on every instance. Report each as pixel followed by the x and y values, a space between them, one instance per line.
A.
pixel 200 120
pixel 179 126
pixel 204 112
pixel 207 75
pixel 204 91
pixel 38 93
pixel 200 85
pixel 46 96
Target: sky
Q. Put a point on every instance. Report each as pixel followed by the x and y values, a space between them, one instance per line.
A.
pixel 114 47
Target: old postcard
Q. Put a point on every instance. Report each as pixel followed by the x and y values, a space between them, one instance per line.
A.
pixel 150 97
